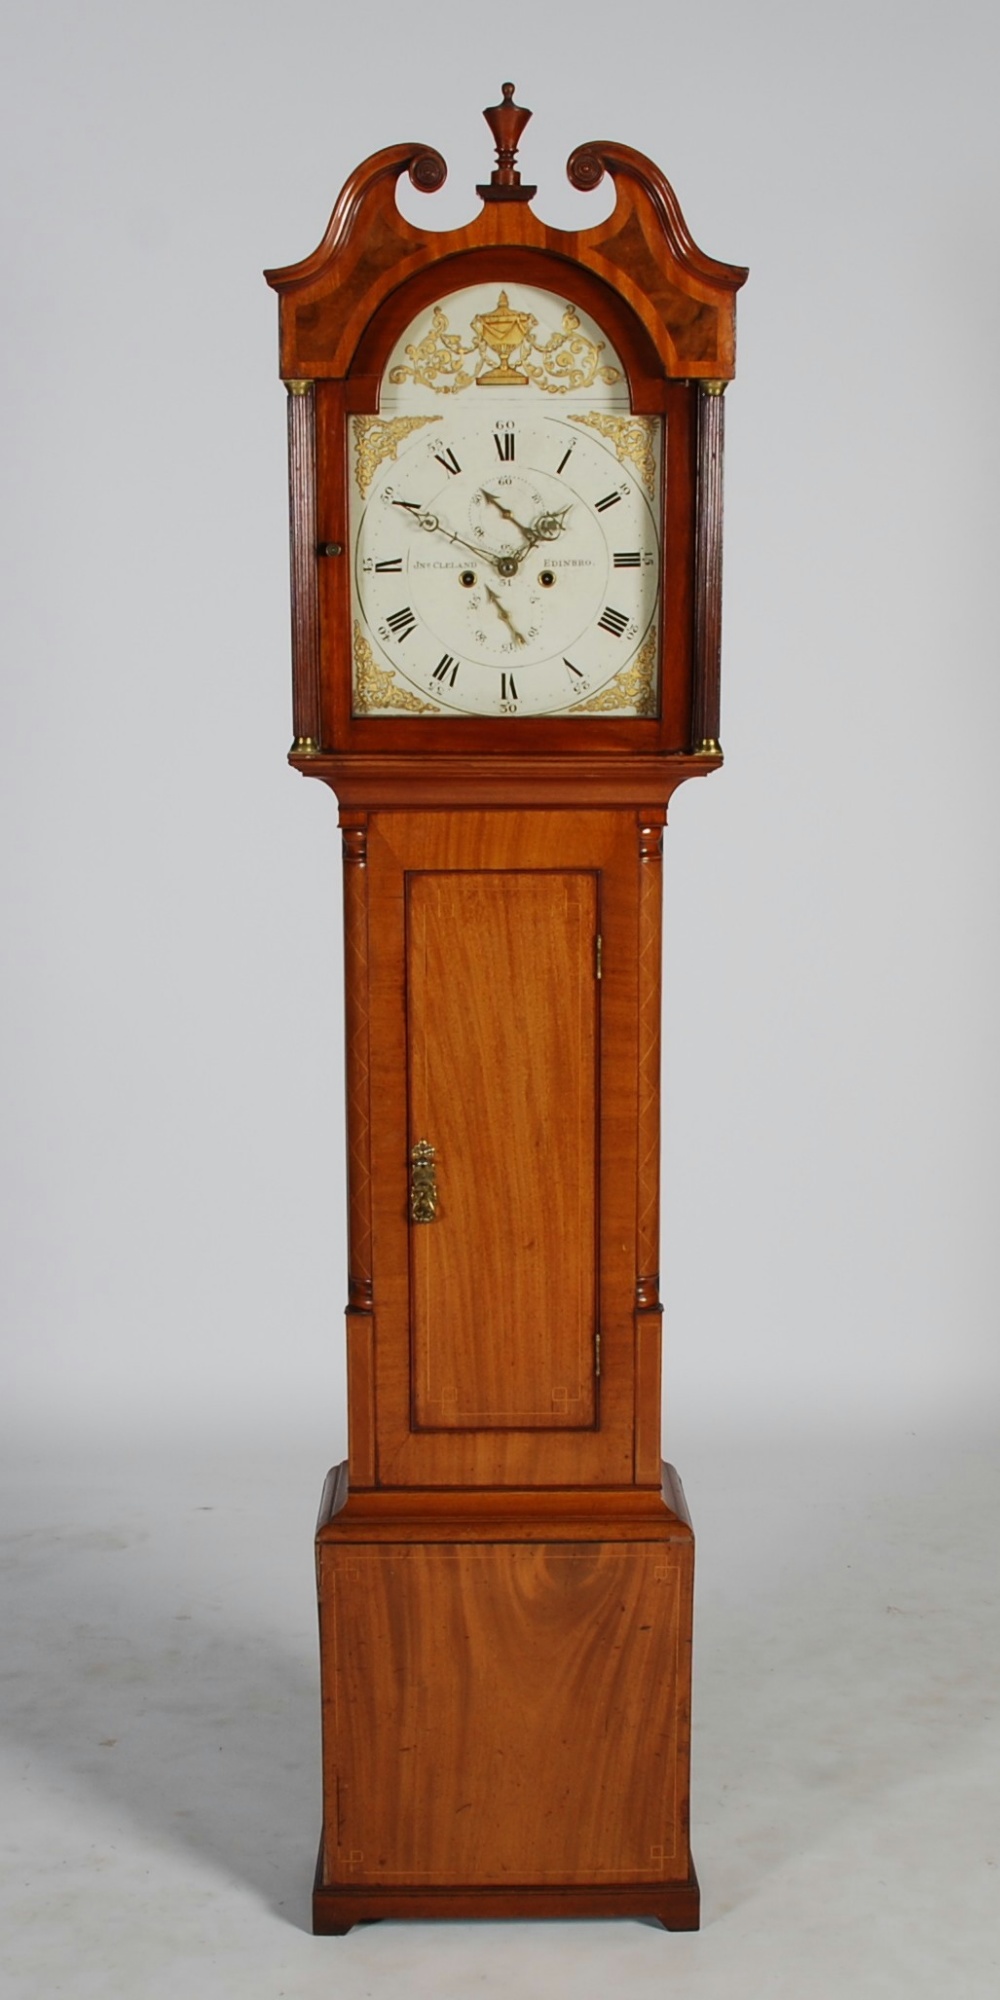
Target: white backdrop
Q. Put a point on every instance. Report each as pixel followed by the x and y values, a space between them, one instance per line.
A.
pixel 172 1179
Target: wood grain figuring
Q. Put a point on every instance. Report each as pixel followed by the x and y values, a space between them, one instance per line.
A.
pixel 518 1514
pixel 506 1577
pixel 650 843
pixel 706 700
pixel 502 1045
pixel 502 1714
pixel 509 845
pixel 505 263
pixel 649 1316
pixel 361 1415
pixel 668 309
pixel 648 1378
pixel 444 782
pixel 306 702
pixel 336 612
pixel 358 1064
pixel 643 250
pixel 675 1905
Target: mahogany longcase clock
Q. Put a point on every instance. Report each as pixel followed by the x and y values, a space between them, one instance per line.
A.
pixel 505 448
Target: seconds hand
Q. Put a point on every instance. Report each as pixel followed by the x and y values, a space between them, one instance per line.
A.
pixel 502 612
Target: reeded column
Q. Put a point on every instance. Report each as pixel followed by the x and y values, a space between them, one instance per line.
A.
pixel 306 715
pixel 708 571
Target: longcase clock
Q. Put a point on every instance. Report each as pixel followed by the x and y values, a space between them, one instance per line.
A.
pixel 505 450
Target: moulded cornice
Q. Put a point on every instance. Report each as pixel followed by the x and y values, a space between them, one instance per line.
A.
pixel 643 250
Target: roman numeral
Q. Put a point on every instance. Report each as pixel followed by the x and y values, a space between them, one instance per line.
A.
pixel 402 623
pixel 448 460
pixel 508 691
pixel 609 500
pixel 630 559
pixel 412 506
pixel 612 621
pixel 504 441
pixel 578 671
pixel 446 669
pixel 562 461
pixel 394 567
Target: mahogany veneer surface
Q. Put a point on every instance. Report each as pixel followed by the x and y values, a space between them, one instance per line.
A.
pixel 506 1590
pixel 504 1713
pixel 492 1037
pixel 504 1280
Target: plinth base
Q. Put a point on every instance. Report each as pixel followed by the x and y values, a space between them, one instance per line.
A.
pixel 506 1702
pixel 676 1905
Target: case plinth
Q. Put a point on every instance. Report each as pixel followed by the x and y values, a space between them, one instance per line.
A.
pixel 506 1705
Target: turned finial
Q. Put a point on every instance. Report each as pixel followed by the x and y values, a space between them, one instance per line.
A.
pixel 506 121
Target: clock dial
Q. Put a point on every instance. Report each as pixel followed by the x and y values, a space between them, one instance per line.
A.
pixel 507 562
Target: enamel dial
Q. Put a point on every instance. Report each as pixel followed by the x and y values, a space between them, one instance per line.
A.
pixel 506 562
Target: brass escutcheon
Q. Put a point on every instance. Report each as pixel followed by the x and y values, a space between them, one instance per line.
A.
pixel 423 1182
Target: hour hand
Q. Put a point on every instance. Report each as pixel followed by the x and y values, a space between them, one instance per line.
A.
pixel 544 528
pixel 433 526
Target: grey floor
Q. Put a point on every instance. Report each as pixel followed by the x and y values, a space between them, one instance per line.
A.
pixel 160 1747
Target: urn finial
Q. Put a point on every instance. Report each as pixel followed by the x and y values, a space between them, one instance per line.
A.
pixel 506 121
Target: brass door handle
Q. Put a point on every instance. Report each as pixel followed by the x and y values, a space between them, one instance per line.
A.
pixel 423 1182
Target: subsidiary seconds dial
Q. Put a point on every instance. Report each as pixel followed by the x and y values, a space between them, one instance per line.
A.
pixel 507 564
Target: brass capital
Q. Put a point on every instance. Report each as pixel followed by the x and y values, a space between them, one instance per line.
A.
pixel 297 387
pixel 713 387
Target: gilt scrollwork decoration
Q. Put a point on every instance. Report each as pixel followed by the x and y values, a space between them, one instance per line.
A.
pixel 439 353
pixel 379 438
pixel 632 438
pixel 508 354
pixel 376 687
pixel 634 687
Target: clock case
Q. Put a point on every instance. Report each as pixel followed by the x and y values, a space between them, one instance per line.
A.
pixel 505 1608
